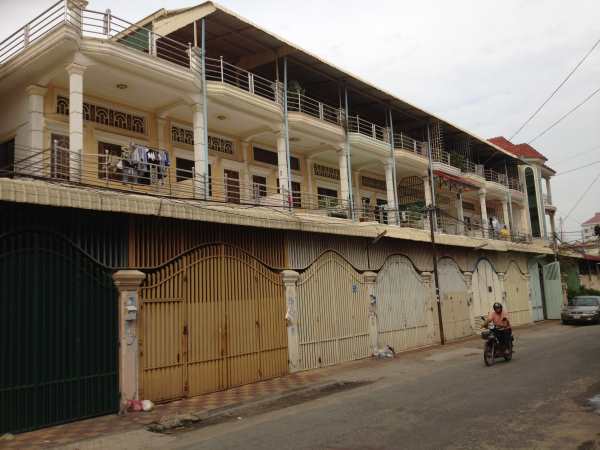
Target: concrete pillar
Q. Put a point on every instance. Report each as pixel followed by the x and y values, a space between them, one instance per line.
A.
pixel 75 72
pixel 200 153
pixel 356 191
pixel 343 166
pixel 290 278
pixel 548 191
pixel 312 200
pixel 468 277
pixel 505 214
pixel 427 191
pixel 33 157
pixel 247 185
pixel 282 167
pixel 460 214
pixel 162 135
pixel 370 278
pixel 434 326
pixel 484 216
pixel 391 196
pixel 128 282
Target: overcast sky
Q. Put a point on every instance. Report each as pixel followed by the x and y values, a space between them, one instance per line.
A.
pixel 484 65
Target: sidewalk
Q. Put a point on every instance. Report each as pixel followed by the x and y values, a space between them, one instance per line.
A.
pixel 113 425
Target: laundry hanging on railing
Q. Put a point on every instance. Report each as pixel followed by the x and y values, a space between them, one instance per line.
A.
pixel 143 165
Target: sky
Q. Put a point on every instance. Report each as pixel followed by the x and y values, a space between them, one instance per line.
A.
pixel 484 65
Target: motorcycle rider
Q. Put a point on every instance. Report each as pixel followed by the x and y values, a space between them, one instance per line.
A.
pixel 500 319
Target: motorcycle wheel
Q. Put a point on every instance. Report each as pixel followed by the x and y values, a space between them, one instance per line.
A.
pixel 508 357
pixel 489 354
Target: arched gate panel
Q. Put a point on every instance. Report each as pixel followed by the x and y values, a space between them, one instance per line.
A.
pixel 212 319
pixel 516 286
pixel 405 306
pixel 486 290
pixel 332 313
pixel 454 297
pixel 535 289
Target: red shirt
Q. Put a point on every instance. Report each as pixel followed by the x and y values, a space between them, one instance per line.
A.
pixel 497 318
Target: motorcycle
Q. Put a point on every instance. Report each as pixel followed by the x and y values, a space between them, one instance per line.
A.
pixel 493 348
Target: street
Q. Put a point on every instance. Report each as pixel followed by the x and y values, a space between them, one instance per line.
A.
pixel 439 398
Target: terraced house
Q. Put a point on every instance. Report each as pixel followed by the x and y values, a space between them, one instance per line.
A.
pixel 229 208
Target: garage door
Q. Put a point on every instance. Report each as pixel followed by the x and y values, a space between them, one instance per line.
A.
pixel 516 285
pixel 486 290
pixel 332 313
pixel 454 297
pixel 58 332
pixel 212 319
pixel 405 306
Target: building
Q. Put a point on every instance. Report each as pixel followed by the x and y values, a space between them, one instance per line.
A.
pixel 588 228
pixel 260 211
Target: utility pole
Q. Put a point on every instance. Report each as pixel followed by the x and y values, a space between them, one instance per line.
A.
pixel 432 217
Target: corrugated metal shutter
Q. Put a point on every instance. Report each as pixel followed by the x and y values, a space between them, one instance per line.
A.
pixel 405 306
pixel 537 308
pixel 516 286
pixel 332 313
pixel 454 297
pixel 486 290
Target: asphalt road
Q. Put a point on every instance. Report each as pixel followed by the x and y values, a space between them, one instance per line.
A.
pixel 443 398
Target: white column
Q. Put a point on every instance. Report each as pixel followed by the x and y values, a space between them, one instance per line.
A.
pixel 75 72
pixel 282 164
pixel 247 187
pixel 505 214
pixel 483 207
pixel 391 198
pixel 356 192
pixel 290 278
pixel 311 201
pixel 460 214
pixel 33 156
pixel 343 166
pixel 128 282
pixel 548 191
pixel 161 123
pixel 370 279
pixel 200 153
pixel 427 191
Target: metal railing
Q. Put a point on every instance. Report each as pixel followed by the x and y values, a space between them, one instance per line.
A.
pixel 472 168
pixel 359 125
pixel 102 25
pixel 298 102
pixel 404 142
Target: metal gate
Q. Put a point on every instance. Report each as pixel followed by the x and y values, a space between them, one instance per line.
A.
pixel 58 332
pixel 405 306
pixel 454 297
pixel 332 313
pixel 211 319
pixel 517 295
pixel 553 290
pixel 486 290
pixel 537 306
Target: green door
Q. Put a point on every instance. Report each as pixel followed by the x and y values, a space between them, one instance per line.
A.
pixel 58 329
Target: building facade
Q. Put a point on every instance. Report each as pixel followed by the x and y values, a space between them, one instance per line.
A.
pixel 259 210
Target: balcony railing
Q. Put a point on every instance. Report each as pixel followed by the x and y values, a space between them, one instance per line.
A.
pixel 116 173
pixel 404 142
pixel 102 25
pixel 471 168
pixel 359 125
pixel 298 102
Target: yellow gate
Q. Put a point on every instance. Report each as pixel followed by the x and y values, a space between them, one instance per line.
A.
pixel 516 285
pixel 212 319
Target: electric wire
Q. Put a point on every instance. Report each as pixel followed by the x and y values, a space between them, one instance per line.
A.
pixel 578 168
pixel 583 195
pixel 562 83
pixel 563 117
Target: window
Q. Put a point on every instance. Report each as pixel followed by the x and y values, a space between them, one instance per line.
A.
pixel 327 197
pixel 270 157
pixel 59 159
pixel 7 158
pixel 533 202
pixel 296 193
pixel 259 186
pixel 184 170
pixel 232 186
pixel 109 156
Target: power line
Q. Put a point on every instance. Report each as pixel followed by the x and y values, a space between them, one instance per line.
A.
pixel 582 196
pixel 557 89
pixel 572 110
pixel 578 168
pixel 576 155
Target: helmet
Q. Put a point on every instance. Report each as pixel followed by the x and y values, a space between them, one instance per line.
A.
pixel 498 306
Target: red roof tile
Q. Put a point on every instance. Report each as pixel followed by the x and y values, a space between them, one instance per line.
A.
pixel 593 220
pixel 525 150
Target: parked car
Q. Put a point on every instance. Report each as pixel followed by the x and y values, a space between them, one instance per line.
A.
pixel 584 308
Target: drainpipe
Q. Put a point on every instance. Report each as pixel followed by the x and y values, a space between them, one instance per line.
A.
pixel 286 132
pixel 204 106
pixel 348 159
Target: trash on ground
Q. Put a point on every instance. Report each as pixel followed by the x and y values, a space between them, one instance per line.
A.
pixel 147 405
pixel 7 437
pixel 386 352
pixel 594 403
pixel 170 422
